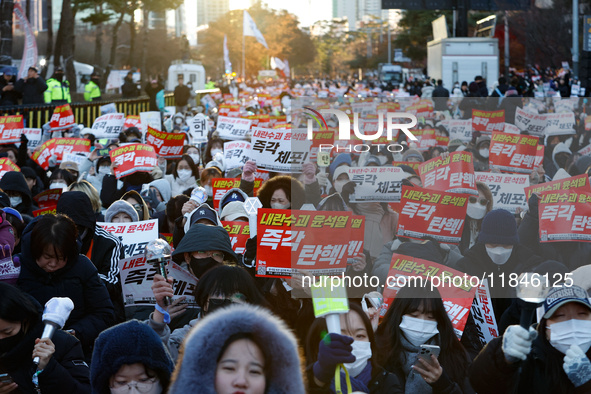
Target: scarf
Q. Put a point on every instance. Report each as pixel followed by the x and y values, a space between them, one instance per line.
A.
pixel 358 383
pixel 415 384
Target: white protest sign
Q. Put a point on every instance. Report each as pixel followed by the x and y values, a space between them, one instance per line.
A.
pixel 34 137
pixel 272 149
pixel 460 129
pixel 199 128
pixel 208 102
pixel 564 106
pixel 233 128
pixel 108 126
pixel 108 109
pixel 537 104
pixel 134 235
pixel 574 90
pixel 364 108
pixel 511 129
pixel 137 277
pixel 236 153
pixel 533 123
pixel 484 315
pixel 508 190
pixel 560 124
pixel 381 184
pixel 586 151
pixel 151 119
pixel 73 157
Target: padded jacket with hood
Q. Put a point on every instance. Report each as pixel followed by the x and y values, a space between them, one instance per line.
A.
pixel 78 280
pixel 15 181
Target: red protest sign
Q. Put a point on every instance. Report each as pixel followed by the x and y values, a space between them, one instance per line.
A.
pixel 412 164
pixel 455 287
pixel 7 165
pixel 59 147
pixel 220 186
pixel 62 118
pixel 453 174
pixel 587 123
pixel 289 241
pixel 42 154
pixel 239 233
pixel 423 109
pixel 231 110
pixel 11 127
pixel 45 211
pixel 131 121
pixel 565 215
pixel 424 213
pixel 513 152
pixel 133 158
pixel 488 121
pixel 48 198
pixel 539 156
pixel 574 182
pixel 357 235
pixel 166 144
pixel 425 138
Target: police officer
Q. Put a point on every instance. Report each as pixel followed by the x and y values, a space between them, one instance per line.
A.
pixel 92 92
pixel 58 88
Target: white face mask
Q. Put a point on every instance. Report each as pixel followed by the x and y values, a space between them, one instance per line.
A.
pixel 499 255
pixel 571 332
pixel 215 151
pixel 362 353
pixel 155 389
pixel 476 211
pixel 58 185
pixel 104 170
pixel 382 159
pixel 276 205
pixel 195 157
pixel 418 331
pixel 483 152
pixel 184 174
pixel 338 185
pixel 208 190
pixel 14 201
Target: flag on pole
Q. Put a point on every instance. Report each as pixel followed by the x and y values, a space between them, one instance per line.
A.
pixel 277 63
pixel 250 29
pixel 29 58
pixel 286 68
pixel 227 63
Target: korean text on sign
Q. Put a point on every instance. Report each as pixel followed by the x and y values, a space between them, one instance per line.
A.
pixel 565 215
pixel 134 235
pixel 274 150
pixel 133 158
pixel 376 183
pixel 573 182
pixel 513 152
pixel 11 128
pixel 233 128
pixel 236 153
pixel 108 126
pixel 452 174
pixel 169 145
pixel 239 233
pixel 507 189
pixel 488 121
pixel 7 165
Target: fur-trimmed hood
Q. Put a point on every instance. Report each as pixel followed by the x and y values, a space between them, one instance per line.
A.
pixel 292 187
pixel 196 370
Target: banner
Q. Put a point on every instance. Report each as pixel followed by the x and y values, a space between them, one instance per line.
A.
pixel 169 145
pixel 48 198
pixel 233 128
pixel 62 118
pixel 588 123
pixel 513 152
pixel 239 233
pixel 220 186
pixel 236 154
pixel 231 110
pixel 459 129
pixel 439 215
pixel 150 119
pixel 108 126
pixel 511 129
pixel 288 241
pixel 565 215
pixel 133 158
pixel 507 189
pixel 488 121
pixel 484 315
pixel 137 277
pixel 560 124
pixel 574 182
pixel 455 174
pixel 132 121
pixel 133 235
pixel 376 183
pixel 29 58
pixel 34 137
pixel 272 150
pixel 456 300
pixel 45 211
pixel 59 147
pixel 412 164
pixel 425 138
pixel 532 123
pixel 7 165
pixel 11 127
pixel 199 129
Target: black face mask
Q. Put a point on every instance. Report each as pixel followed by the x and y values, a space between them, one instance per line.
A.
pixel 7 344
pixel 200 266
pixel 561 160
pixel 215 304
pixel 59 76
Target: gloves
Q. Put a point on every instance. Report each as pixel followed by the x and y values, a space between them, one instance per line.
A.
pixel 348 189
pixel 309 171
pixel 52 161
pixel 333 350
pixel 75 131
pixel 582 277
pixel 248 171
pixel 156 172
pixel 24 139
pixel 517 343
pixel 577 366
pixel 533 206
pixel 322 179
pixel 46 129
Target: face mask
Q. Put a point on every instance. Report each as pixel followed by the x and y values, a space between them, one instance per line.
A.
pixel 476 211
pixel 7 344
pixel 418 331
pixel 15 201
pixel 155 389
pixel 338 185
pixel 382 159
pixel 499 255
pixel 571 332
pixel 200 266
pixel 276 205
pixel 104 170
pixel 483 152
pixel 362 353
pixel 178 120
pixel 215 151
pixel 208 190
pixel 184 174
pixel 58 185
pixel 195 157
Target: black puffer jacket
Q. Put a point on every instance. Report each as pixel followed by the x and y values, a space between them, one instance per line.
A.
pixel 32 90
pixel 382 382
pixel 15 181
pixel 78 280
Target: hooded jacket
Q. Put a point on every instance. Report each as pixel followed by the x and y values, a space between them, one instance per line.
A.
pixel 78 280
pixel 16 182
pixel 201 237
pixel 196 371
pixel 105 249
pixel 559 148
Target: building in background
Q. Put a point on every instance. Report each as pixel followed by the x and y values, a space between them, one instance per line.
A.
pixel 356 11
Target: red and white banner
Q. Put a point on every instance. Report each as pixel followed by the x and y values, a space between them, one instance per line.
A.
pixel 220 186
pixel 231 110
pixel 132 121
pixel 29 58
pixel 48 198
pixel 513 152
pixel 108 126
pixel 133 235
pixel 565 215
pixel 574 182
pixel 239 233
pixel 425 138
pixel 7 165
pixel 507 189
pixel 169 145
pixel 488 121
pixel 45 211
pixel 59 147
pixel 455 174
pixel 62 118
pixel 11 127
pixel 588 123
pixel 426 213
pixel 133 158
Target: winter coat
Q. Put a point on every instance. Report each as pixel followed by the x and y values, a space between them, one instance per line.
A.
pixel 152 92
pixel 510 105
pixel 15 181
pixel 178 186
pixel 469 103
pixel 172 340
pixel 32 90
pixel 382 382
pixel 195 373
pixel 129 89
pixel 66 371
pixel 491 374
pixel 182 94
pixel 440 95
pixel 93 310
pixel 9 97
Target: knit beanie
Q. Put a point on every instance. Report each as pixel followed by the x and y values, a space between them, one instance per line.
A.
pixel 163 187
pixel 121 206
pixel 412 153
pixel 499 228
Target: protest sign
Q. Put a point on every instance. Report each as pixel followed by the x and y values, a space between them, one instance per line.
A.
pixel 273 150
pixel 11 127
pixel 588 123
pixel 132 121
pixel 513 152
pixel 137 277
pixel 239 234
pixel 586 151
pixel 372 127
pixel 453 174
pixel 357 235
pixel 560 124
pixel 220 186
pixel 511 129
pixel 7 165
pixel 48 198
pixel 74 158
pixel 236 153
pixel 363 108
pixel 59 147
pixel 169 145
pixel 484 315
pixel 564 106
pixel 108 126
pixel 45 211
pixel 108 109
pixel 412 164
pixel 231 110
pixel 133 158
pixel 199 129
pixel 376 183
pixel 507 189
pixel 208 102
pixel 62 118
pixel 133 235
pixel 439 215
pixel 539 156
pixel 33 137
pixel 288 241
pixel 423 109
pixel 459 129
pixel 565 215
pixel 425 138
pixel 233 128
pixel 574 182
pixel 488 121
pixel 150 119
pixel 532 123
pixel 456 291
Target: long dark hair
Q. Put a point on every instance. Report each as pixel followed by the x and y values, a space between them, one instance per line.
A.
pixel 15 306
pixel 57 231
pixel 453 357
pixel 191 164
pixel 210 143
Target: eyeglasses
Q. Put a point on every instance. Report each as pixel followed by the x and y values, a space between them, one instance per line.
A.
pixel 481 200
pixel 216 255
pixel 143 386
